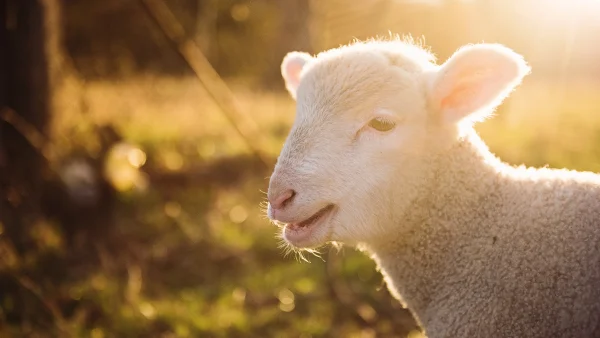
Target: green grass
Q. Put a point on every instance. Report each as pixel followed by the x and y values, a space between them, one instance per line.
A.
pixel 195 255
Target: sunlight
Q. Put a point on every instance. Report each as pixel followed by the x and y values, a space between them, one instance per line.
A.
pixel 137 181
pixel 570 5
pixel 565 9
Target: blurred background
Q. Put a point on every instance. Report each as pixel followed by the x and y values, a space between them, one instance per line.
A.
pixel 137 138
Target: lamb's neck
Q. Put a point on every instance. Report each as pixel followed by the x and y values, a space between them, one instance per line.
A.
pixel 414 261
pixel 464 174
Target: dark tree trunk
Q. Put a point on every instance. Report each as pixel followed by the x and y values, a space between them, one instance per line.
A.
pixel 24 89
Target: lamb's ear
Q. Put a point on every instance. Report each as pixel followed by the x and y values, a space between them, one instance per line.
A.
pixel 291 70
pixel 475 80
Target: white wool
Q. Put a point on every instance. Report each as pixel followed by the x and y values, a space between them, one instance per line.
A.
pixel 474 247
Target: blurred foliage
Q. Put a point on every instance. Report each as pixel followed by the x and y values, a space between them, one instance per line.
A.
pixel 154 225
pixel 247 39
pixel 241 38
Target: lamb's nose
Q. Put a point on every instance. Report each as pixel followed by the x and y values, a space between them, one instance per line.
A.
pixel 283 199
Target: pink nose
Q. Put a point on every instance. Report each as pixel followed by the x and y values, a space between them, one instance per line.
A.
pixel 280 201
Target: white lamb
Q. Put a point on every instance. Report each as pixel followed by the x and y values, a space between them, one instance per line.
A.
pixel 382 155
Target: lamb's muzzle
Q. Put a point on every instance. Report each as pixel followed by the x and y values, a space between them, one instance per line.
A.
pixel 304 217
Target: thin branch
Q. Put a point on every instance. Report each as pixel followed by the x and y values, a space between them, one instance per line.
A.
pixel 31 133
pixel 208 76
pixel 30 286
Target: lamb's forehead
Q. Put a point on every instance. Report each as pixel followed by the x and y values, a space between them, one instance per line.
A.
pixel 353 73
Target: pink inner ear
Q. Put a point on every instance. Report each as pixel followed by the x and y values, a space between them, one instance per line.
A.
pixel 458 97
pixel 293 70
pixel 466 92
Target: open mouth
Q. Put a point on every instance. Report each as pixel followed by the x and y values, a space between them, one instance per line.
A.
pixel 301 232
pixel 313 219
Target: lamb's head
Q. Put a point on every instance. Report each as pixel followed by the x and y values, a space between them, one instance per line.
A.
pixel 370 118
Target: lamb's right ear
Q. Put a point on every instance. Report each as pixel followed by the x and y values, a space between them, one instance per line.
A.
pixel 291 70
pixel 475 80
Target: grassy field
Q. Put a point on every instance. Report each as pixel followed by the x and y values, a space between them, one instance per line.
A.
pixel 194 255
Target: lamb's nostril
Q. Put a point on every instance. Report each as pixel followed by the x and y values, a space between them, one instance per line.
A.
pixel 283 199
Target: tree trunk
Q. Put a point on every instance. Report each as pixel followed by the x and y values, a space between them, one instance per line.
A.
pixel 24 90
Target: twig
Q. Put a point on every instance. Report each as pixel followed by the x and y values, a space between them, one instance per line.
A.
pixel 210 79
pixel 30 286
pixel 31 133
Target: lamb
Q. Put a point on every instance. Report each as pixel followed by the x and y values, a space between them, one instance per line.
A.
pixel 383 156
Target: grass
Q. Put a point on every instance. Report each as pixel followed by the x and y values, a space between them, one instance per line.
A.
pixel 192 253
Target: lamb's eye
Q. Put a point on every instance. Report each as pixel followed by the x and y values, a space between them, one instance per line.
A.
pixel 381 124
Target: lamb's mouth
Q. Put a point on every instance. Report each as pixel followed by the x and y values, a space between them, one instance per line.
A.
pixel 308 232
pixel 312 219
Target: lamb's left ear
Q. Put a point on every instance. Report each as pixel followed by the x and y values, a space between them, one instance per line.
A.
pixel 475 80
pixel 291 70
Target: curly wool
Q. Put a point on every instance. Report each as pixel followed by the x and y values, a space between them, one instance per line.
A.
pixel 491 250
